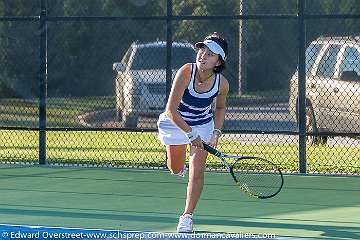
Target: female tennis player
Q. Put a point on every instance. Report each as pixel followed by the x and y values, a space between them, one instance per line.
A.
pixel 191 117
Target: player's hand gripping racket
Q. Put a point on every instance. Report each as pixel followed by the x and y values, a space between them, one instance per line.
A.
pixel 256 176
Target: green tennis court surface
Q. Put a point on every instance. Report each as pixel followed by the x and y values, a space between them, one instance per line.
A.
pixel 309 207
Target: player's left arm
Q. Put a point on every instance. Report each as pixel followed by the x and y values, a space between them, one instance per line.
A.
pixel 220 105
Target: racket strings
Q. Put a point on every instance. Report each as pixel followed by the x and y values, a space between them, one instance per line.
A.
pixel 257 177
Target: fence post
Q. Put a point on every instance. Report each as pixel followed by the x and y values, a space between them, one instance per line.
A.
pixel 42 82
pixel 302 87
pixel 169 14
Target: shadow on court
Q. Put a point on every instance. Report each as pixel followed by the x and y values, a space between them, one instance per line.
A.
pixel 325 230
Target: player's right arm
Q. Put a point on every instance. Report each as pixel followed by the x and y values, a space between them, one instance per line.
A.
pixel 181 81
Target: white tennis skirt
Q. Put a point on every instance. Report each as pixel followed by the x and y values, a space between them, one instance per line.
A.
pixel 170 134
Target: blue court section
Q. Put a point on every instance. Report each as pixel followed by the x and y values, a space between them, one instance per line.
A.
pixel 39 232
pixel 150 201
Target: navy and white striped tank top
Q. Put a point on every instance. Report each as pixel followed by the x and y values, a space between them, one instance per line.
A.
pixel 195 107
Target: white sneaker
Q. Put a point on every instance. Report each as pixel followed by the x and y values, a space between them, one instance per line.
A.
pixel 182 173
pixel 185 224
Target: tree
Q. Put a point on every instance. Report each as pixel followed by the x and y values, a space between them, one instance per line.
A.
pixel 193 31
pixel 81 53
pixel 19 51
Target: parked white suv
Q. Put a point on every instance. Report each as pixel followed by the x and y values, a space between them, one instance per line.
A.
pixel 140 84
pixel 332 87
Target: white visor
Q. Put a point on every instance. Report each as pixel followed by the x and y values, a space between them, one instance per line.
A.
pixel 213 46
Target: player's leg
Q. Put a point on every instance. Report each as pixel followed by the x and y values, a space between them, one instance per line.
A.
pixel 194 189
pixel 176 156
pixel 197 166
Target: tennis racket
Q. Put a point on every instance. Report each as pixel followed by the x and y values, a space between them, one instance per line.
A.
pixel 255 176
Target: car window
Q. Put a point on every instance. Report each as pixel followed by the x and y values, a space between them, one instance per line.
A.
pixel 351 61
pixel 328 61
pixel 311 53
pixel 155 57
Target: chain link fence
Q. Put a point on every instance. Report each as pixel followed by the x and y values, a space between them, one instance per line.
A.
pixel 83 82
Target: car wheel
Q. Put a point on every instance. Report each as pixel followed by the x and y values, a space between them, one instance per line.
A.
pixel 323 140
pixel 130 120
pixel 118 115
pixel 311 127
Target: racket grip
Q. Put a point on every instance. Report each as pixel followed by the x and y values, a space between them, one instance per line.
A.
pixel 211 150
